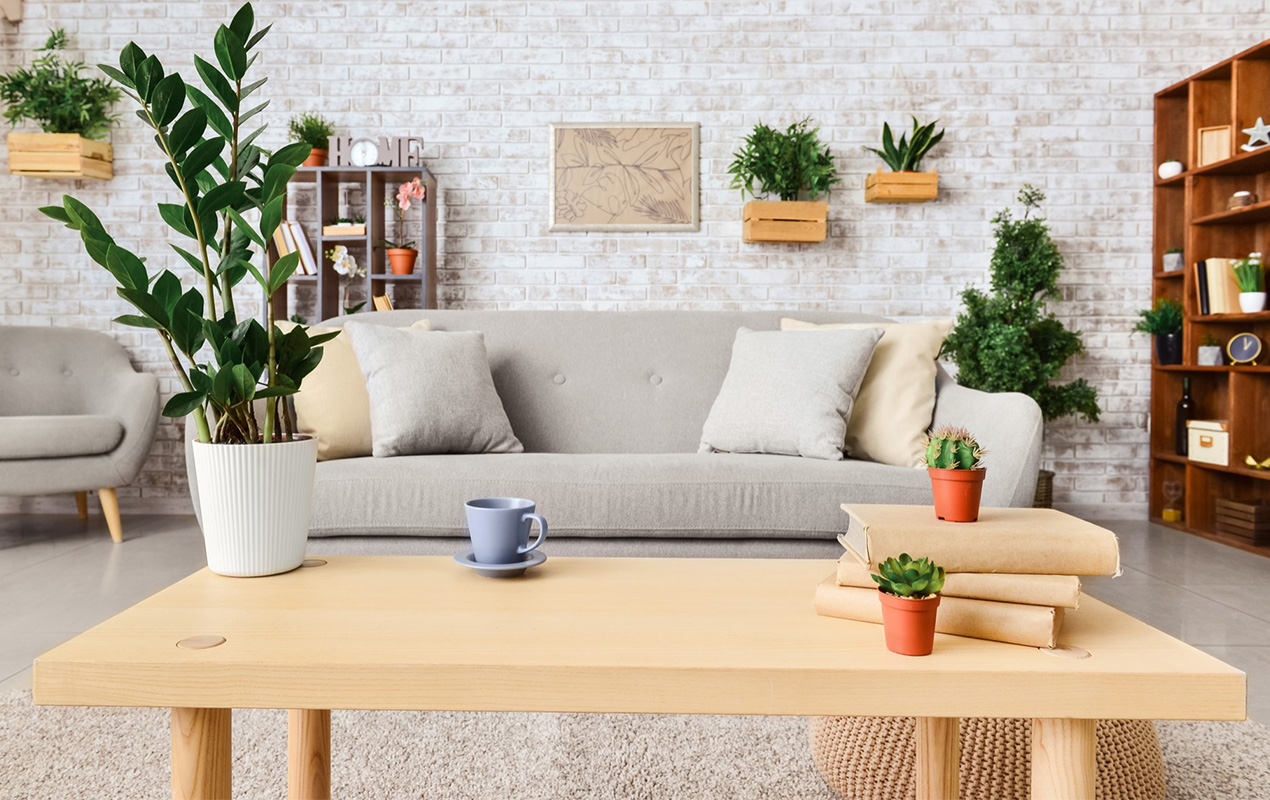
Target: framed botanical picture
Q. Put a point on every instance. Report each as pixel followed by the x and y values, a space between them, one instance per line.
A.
pixel 634 176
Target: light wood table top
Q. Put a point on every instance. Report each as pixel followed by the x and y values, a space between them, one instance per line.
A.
pixel 713 636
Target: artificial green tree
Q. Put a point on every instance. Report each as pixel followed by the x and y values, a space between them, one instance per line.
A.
pixel 1006 341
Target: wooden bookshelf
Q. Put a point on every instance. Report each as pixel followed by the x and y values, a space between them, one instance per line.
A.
pixel 1190 212
pixel 374 184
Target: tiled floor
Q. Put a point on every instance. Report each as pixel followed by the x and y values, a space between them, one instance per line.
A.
pixel 60 576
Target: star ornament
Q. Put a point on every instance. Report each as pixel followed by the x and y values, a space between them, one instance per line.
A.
pixel 1258 136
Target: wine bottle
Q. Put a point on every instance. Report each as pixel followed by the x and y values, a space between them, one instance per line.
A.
pixel 1185 411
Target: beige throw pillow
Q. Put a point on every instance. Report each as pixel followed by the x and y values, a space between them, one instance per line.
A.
pixel 897 399
pixel 333 404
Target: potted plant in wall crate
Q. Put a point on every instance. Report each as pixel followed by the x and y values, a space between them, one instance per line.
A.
pixel 315 131
pixel 255 476
pixel 955 463
pixel 786 164
pixel 1251 277
pixel 1164 322
pixel 73 112
pixel 904 184
pixel 909 592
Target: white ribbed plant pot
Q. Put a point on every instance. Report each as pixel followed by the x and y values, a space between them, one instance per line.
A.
pixel 255 501
pixel 1252 302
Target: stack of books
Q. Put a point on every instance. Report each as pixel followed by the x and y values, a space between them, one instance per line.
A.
pixel 1011 576
pixel 290 238
pixel 1216 290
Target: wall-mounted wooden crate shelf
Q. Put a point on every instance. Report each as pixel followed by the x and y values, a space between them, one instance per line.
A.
pixel 901 187
pixel 60 155
pixel 785 221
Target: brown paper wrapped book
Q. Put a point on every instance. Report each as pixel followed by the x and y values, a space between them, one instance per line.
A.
pixel 1028 541
pixel 1035 626
pixel 1061 591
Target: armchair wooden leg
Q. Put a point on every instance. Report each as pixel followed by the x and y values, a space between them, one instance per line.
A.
pixel 81 504
pixel 110 507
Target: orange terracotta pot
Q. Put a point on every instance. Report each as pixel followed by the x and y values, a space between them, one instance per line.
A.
pixel 908 624
pixel 957 493
pixel 402 260
pixel 317 158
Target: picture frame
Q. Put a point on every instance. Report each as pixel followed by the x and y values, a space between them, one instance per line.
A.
pixel 624 176
pixel 1214 144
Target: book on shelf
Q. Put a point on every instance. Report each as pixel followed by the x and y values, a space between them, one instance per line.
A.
pixel 280 242
pixel 1223 288
pixel 289 239
pixel 308 264
pixel 382 302
pixel 1013 623
pixel 1201 286
pixel 1057 591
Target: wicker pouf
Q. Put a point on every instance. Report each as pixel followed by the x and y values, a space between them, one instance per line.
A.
pixel 874 758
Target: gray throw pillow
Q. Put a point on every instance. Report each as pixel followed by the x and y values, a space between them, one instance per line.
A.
pixel 789 392
pixel 431 392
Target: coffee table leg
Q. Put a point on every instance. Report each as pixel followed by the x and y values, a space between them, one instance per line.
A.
pixel 201 758
pixel 308 754
pixel 1063 765
pixel 938 758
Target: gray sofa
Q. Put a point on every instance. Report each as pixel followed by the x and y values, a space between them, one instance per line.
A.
pixel 609 406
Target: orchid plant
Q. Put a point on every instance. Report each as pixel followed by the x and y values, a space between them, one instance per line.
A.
pixel 410 190
pixel 346 265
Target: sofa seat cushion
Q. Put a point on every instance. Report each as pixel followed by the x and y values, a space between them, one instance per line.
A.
pixel 61 436
pixel 675 495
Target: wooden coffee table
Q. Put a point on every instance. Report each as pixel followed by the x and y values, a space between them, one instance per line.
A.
pixel 603 635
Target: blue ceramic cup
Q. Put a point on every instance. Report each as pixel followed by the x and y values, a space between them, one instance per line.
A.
pixel 499 527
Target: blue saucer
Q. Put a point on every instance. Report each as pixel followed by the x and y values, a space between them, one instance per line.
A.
pixel 512 570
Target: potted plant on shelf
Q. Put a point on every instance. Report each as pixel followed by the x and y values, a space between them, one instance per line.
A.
pixel 786 164
pixel 401 252
pixel 1164 321
pixel 1210 352
pixel 255 476
pixel 346 226
pixel 1006 341
pixel 954 461
pixel 71 110
pixel 315 131
pixel 909 592
pixel 1172 261
pixel 1251 277
pixel 904 184
pixel 346 266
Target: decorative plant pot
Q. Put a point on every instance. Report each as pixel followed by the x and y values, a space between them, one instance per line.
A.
pixel 785 221
pixel 255 501
pixel 1252 302
pixel 1173 261
pixel 317 158
pixel 908 624
pixel 60 155
pixel 1170 169
pixel 901 187
pixel 1168 348
pixel 1210 356
pixel 957 493
pixel 402 260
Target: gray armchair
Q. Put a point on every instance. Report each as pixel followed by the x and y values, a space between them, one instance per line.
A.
pixel 74 416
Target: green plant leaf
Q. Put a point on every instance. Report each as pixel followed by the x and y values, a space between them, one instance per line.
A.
pixel 177 218
pixel 274 184
pixel 58 213
pixel 254 40
pixel 231 53
pixel 244 226
pixel 201 156
pixel 282 269
pixel 216 118
pixel 186 131
pixel 145 303
pixel 246 91
pixel 81 214
pixel 166 291
pixel 149 74
pixel 243 21
pixel 218 84
pixel 246 115
pixel 271 217
pixel 130 59
pixel 190 258
pixel 136 321
pixel 117 75
pixel 183 404
pixel 225 194
pixel 187 322
pixel 292 155
pixel 127 269
pixel 167 99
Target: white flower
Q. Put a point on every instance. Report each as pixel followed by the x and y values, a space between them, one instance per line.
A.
pixel 342 261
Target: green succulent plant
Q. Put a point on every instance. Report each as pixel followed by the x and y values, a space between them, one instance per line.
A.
pixel 904 577
pixel 1250 274
pixel 1163 318
pixel 950 447
pixel 906 155
pixel 783 163
pixel 54 96
pixel 312 129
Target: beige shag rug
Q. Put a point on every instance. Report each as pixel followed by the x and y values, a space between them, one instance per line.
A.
pixel 116 753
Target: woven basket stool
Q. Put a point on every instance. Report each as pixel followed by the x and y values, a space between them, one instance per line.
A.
pixel 875 758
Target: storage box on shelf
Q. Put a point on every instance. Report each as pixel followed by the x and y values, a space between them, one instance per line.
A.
pixel 60 155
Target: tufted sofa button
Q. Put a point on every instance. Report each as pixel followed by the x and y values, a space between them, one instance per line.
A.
pixel 67 373
pixel 655 380
pixel 14 372
pixel 559 379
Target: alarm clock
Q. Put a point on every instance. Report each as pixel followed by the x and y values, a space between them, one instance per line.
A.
pixel 364 153
pixel 1244 348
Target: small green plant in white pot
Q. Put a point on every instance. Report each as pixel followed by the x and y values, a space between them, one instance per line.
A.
pixel 1250 274
pixel 1210 352
pixel 1173 259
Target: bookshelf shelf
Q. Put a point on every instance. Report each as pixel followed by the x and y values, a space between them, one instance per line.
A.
pixel 1189 213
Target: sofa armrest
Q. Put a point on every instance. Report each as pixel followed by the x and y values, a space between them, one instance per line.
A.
pixel 1008 425
pixel 133 399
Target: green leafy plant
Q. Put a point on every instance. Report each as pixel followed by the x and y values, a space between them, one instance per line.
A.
pixel 1209 340
pixel 221 178
pixel 1250 274
pixel 354 220
pixel 950 447
pixel 783 163
pixel 312 129
pixel 1005 341
pixel 906 155
pixel 904 577
pixel 54 96
pixel 1163 318
pixel 1172 250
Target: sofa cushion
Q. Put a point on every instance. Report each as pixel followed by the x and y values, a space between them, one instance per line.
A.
pixel 647 495
pixel 61 436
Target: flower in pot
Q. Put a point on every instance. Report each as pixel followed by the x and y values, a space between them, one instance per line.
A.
pixel 402 253
pixel 346 265
pixel 315 131
pixel 788 164
pixel 1172 260
pixel 955 463
pixel 1251 277
pixel 1164 321
pixel 255 476
pixel 906 183
pixel 909 592
pixel 1210 352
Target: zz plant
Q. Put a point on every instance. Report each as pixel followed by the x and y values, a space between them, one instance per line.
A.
pixel 904 577
pixel 783 163
pixel 222 178
pixel 906 155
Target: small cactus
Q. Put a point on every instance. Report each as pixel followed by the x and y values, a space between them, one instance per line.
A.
pixel 904 577
pixel 950 447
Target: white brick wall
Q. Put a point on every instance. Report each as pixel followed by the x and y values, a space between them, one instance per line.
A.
pixel 1053 93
